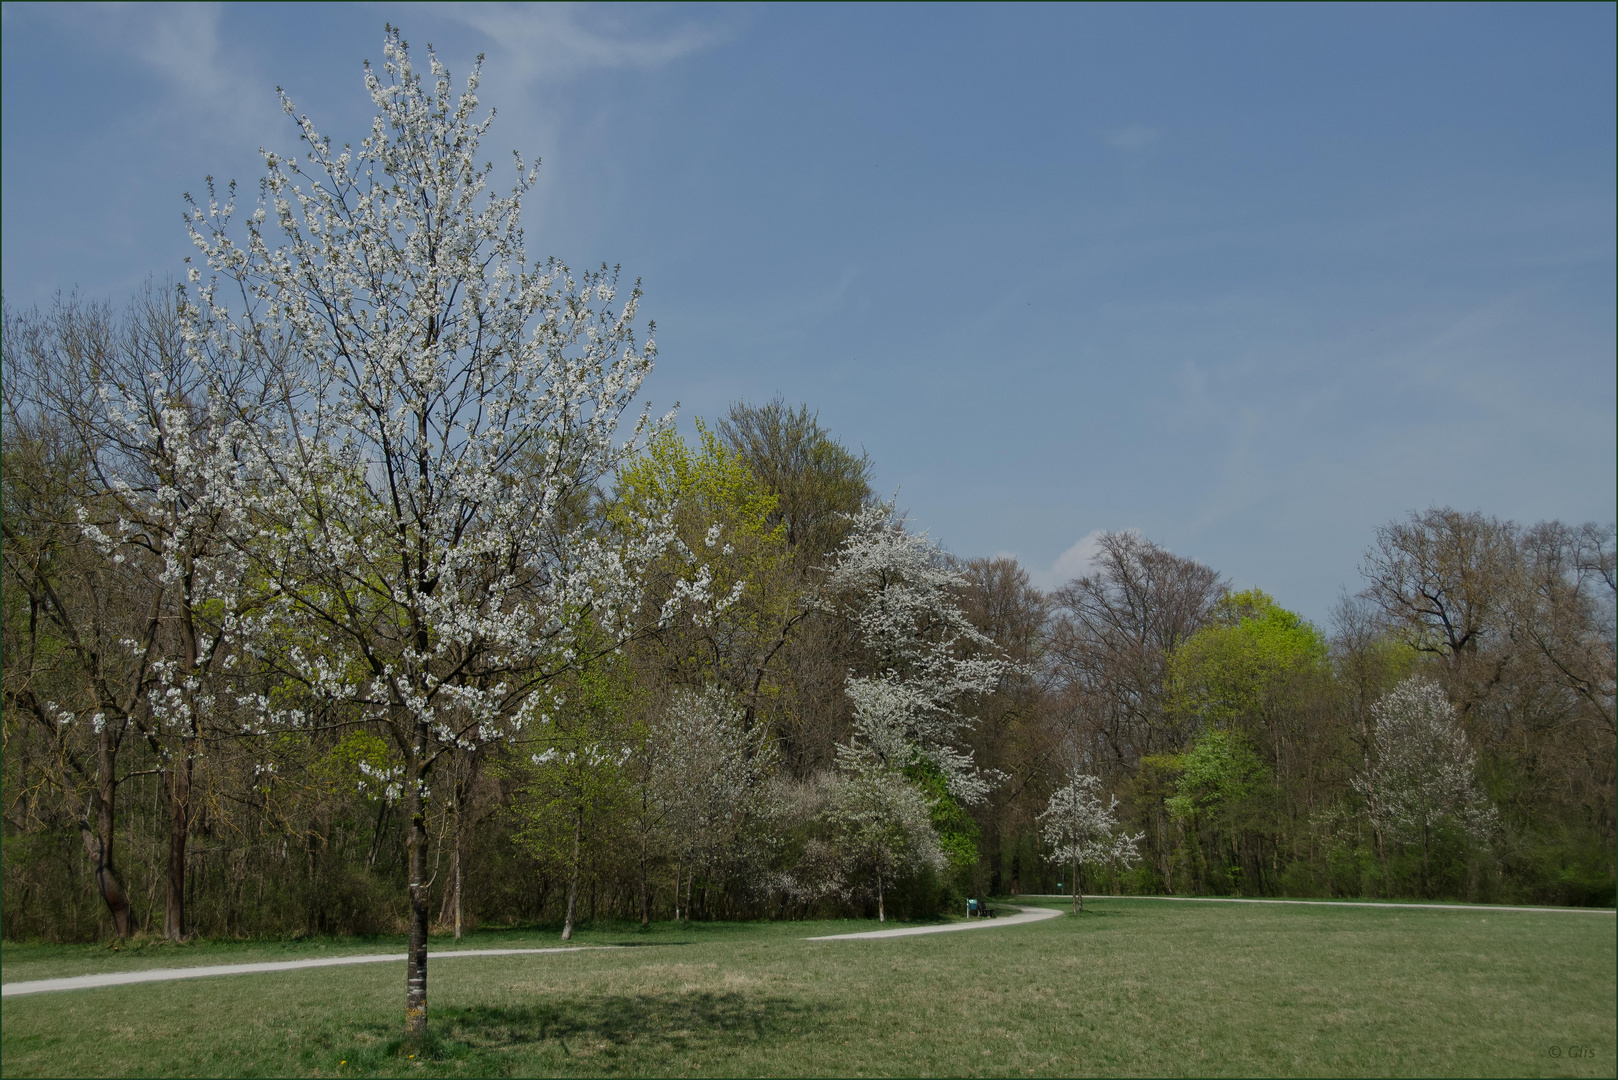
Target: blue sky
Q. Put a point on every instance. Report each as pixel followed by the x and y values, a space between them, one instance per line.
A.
pixel 1252 280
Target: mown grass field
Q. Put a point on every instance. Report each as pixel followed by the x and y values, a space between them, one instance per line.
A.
pixel 1134 987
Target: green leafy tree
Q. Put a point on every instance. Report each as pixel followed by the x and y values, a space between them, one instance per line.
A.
pixel 723 514
pixel 1236 673
pixel 958 834
pixel 1217 775
pixel 574 778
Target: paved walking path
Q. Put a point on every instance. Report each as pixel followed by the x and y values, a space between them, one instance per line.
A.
pixel 122 978
pixel 1024 915
pixel 1331 903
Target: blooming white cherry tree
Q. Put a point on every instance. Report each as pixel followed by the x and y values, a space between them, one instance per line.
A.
pixel 1079 828
pixel 1423 774
pixel 152 460
pixel 707 772
pixel 446 408
pixel 882 825
pixel 899 591
pixel 137 445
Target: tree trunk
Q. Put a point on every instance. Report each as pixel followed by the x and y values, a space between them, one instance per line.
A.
pixel 112 890
pixel 573 877
pixel 679 869
pixel 98 840
pixel 179 785
pixel 645 895
pixel 416 966
pixel 881 911
pixel 1426 878
pixel 1078 890
pixel 456 869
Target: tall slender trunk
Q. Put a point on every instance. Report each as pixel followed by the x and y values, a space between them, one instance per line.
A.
pixel 1078 890
pixel 416 961
pixel 573 877
pixel 881 910
pixel 456 870
pixel 179 784
pixel 179 773
pixel 679 869
pixel 98 840
pixel 1426 878
pixel 645 894
pixel 689 874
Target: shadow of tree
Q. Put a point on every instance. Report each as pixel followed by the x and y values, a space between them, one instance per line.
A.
pixel 676 1019
pixel 490 1039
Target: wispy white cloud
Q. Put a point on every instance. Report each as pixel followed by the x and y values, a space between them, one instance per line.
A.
pixel 208 83
pixel 1075 562
pixel 552 42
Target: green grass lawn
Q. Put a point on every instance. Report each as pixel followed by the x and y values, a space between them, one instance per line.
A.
pixel 1134 987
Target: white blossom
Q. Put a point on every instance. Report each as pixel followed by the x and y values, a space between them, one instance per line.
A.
pixel 898 590
pixel 1078 828
pixel 1422 775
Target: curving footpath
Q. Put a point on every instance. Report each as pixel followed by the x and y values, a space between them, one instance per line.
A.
pixel 1024 915
pixel 123 978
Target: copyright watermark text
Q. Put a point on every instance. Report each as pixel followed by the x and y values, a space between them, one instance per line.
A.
pixel 1573 1051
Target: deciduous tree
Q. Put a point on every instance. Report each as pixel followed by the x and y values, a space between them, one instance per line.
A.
pixel 446 407
pixel 1079 828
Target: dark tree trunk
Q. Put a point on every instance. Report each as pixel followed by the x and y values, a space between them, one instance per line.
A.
pixel 179 785
pixel 98 840
pixel 991 840
pixel 573 876
pixel 459 905
pixel 645 894
pixel 416 962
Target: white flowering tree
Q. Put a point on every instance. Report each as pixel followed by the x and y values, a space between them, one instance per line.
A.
pixel 446 409
pixel 882 827
pixel 706 773
pixel 899 591
pixel 1422 777
pixel 1079 828
pixel 152 461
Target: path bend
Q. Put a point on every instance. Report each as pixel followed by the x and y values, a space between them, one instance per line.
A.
pixel 1024 915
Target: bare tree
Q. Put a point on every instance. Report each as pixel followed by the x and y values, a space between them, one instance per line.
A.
pixel 1112 634
pixel 1444 578
pixel 1565 601
pixel 1012 737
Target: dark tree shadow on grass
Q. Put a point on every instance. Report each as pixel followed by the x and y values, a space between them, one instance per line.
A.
pixel 492 1040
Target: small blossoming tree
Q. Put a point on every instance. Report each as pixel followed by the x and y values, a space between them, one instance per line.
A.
pixel 1079 828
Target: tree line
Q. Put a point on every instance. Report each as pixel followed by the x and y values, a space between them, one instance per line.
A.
pixel 345 592
pixel 850 719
